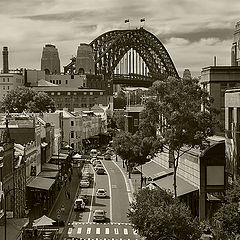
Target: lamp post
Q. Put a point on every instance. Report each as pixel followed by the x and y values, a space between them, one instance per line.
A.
pixel 5 209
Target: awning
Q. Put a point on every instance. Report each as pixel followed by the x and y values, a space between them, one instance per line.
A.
pixel 48 174
pixel 151 169
pixel 50 167
pixel 183 187
pixel 41 183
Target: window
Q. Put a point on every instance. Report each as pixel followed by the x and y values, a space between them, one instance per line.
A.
pixel 85 93
pixel 58 93
pixel 3 87
pixel 53 81
pixel 60 81
pixel 8 87
pixel 84 84
pixel 52 93
pixel 135 122
pixel 72 123
pixel 66 81
pixel 3 79
pixel 101 93
pixel 50 81
pixel 91 93
pixel 56 81
pixel 72 76
pixel 72 134
pixel 68 93
pixel 8 79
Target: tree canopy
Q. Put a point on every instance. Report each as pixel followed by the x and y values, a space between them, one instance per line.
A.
pixel 226 221
pixel 186 117
pixel 26 99
pixel 155 213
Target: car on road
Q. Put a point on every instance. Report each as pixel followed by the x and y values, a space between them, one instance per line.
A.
pixel 84 183
pixel 79 204
pixel 99 215
pixel 93 160
pixel 93 153
pixel 100 170
pixel 107 156
pixel 97 162
pixel 85 198
pixel 101 193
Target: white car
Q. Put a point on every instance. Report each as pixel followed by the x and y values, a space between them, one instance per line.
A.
pixel 101 193
pixel 84 183
pixel 79 204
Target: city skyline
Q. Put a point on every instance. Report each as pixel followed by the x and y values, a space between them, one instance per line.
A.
pixel 193 32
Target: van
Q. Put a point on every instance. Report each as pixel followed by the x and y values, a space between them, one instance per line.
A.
pixel 93 153
pixel 79 204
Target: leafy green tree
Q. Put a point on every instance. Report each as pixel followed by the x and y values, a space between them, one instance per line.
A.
pixel 226 221
pixel 155 213
pixel 181 120
pixel 26 99
pixel 118 119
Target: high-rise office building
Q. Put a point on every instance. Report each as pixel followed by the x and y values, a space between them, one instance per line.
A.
pixel 235 52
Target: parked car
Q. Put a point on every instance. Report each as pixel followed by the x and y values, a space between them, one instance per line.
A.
pixel 93 160
pixel 101 193
pixel 97 162
pixel 84 183
pixel 99 215
pixel 79 204
pixel 100 170
pixel 107 156
pixel 93 153
pixel 85 198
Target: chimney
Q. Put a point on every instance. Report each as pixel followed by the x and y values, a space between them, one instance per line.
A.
pixel 5 59
pixel 215 61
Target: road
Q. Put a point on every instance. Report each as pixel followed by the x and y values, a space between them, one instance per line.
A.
pixel 116 204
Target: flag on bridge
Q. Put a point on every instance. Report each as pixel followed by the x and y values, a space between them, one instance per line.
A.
pixel 126 20
pixel 142 20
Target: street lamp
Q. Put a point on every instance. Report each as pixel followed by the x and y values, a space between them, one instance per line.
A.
pixel 5 209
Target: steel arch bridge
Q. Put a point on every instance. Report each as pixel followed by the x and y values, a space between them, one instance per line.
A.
pixel 110 47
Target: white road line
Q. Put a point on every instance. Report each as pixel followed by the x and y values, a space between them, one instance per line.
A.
pixel 130 197
pixel 91 205
pixel 125 231
pixel 116 231
pixel 88 230
pixel 79 230
pixel 110 191
pixel 106 230
pixel 97 230
pixel 70 231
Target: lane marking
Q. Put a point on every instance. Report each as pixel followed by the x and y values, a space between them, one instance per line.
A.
pixel 70 231
pixel 106 230
pixel 110 191
pixel 125 231
pixel 126 183
pixel 93 191
pixel 88 230
pixel 79 230
pixel 116 231
pixel 97 230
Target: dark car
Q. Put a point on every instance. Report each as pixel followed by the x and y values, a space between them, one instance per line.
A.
pixel 84 198
pixel 99 215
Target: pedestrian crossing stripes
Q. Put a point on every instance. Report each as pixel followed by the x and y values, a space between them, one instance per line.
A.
pixel 100 231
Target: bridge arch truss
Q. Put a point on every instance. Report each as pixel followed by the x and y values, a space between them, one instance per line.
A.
pixel 110 47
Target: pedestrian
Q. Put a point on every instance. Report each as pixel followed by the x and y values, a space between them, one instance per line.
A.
pixel 145 180
pixel 70 178
pixel 62 208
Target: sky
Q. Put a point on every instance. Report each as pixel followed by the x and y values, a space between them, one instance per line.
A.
pixel 192 31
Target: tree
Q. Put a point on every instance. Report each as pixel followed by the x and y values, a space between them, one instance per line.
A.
pixel 182 122
pixel 155 213
pixel 226 221
pixel 26 99
pixel 120 101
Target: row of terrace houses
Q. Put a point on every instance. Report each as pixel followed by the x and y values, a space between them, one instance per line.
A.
pixel 33 156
